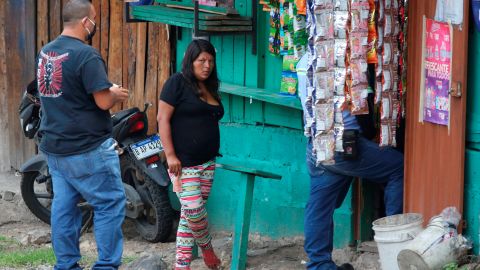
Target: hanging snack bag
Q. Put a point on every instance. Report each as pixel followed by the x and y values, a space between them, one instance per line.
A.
pixel 324 144
pixel 358 72
pixel 325 86
pixel 290 63
pixel 358 45
pixel 325 55
pixel 324 21
pixel 324 116
pixel 340 23
pixel 338 131
pixel 341 5
pixel 359 94
pixel 385 134
pixel 301 7
pixel 340 74
pixel 289 83
pixel 385 108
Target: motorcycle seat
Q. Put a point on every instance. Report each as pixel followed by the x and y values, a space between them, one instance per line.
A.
pixel 119 116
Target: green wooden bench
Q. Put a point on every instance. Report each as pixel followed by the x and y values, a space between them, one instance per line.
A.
pixel 244 210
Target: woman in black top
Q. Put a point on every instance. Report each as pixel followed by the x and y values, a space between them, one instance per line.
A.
pixel 188 115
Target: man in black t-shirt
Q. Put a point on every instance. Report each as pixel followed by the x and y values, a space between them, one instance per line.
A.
pixel 76 139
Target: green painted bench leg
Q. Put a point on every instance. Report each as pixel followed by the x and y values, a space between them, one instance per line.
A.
pixel 195 252
pixel 242 222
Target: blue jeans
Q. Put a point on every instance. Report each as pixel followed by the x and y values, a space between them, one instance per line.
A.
pixel 329 186
pixel 95 176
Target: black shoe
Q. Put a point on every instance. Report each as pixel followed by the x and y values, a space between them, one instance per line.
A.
pixel 345 266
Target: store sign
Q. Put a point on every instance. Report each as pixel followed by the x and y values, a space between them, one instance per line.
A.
pixel 437 69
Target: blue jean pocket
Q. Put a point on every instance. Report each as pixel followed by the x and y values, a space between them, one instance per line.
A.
pixel 77 166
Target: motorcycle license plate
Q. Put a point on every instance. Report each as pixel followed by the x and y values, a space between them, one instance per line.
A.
pixel 147 147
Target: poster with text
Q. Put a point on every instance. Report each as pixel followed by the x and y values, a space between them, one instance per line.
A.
pixel 437 72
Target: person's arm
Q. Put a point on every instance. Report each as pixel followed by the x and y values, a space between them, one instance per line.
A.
pixel 107 98
pixel 165 112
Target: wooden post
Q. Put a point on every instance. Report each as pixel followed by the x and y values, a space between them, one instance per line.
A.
pixel 242 222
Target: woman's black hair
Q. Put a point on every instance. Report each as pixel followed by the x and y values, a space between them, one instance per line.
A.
pixel 195 48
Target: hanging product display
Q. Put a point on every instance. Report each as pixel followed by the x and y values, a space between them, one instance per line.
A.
pixel 390 68
pixel 327 45
pixel 287 38
pixel 345 38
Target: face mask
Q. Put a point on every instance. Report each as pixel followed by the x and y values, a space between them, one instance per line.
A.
pixel 91 34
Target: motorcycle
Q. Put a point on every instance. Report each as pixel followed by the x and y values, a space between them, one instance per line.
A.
pixel 142 164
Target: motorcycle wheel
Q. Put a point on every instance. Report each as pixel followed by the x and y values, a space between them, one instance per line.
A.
pixel 38 198
pixel 155 222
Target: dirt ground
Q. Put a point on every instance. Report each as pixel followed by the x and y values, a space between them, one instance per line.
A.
pixel 263 253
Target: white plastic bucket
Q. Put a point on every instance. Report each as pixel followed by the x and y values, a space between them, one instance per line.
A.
pixel 392 234
pixel 430 250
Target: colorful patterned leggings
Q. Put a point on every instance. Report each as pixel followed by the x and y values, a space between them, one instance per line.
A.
pixel 193 227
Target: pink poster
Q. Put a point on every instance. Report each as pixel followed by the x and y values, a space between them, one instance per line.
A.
pixel 437 67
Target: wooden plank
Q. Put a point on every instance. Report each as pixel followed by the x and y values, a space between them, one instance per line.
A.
pixel 239 59
pixel 105 28
pixel 283 117
pixel 262 95
pixel 115 45
pixel 164 61
pixel 160 19
pixel 125 59
pixel 212 26
pixel 242 221
pixel 226 28
pixel 151 82
pixel 55 18
pixel 227 115
pixel 18 42
pixel 434 156
pixel 254 110
pixel 4 131
pixel 131 59
pixel 28 69
pixel 190 5
pixel 42 24
pixel 98 20
pixel 138 94
pixel 154 10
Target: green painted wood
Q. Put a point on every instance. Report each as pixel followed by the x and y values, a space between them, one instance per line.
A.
pixel 190 4
pixel 237 109
pixel 254 74
pixel 227 59
pixel 207 26
pixel 242 222
pixel 262 95
pixel 182 46
pixel 194 251
pixel 184 18
pixel 254 112
pixel 249 170
pixel 227 115
pixel 239 59
pixel 284 117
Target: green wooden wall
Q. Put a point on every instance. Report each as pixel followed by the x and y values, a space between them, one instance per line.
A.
pixel 263 136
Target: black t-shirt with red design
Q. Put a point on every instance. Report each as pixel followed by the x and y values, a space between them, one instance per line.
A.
pixel 68 73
